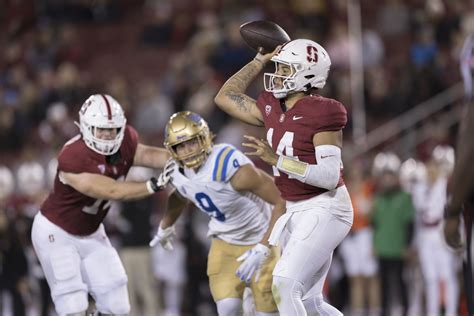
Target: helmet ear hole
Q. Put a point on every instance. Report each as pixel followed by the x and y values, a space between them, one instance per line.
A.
pixel 298 67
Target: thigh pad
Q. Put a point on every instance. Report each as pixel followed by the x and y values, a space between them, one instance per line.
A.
pixel 104 270
pixel 302 224
pixel 65 265
pixel 221 266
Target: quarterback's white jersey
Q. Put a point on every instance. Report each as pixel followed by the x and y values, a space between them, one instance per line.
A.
pixel 239 218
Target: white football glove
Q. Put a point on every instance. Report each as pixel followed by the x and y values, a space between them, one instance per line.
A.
pixel 253 261
pixel 154 185
pixel 165 176
pixel 164 237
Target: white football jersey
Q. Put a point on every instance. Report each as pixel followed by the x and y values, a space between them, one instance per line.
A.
pixel 430 199
pixel 239 218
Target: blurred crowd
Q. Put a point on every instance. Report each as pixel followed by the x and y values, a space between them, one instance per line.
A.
pixel 395 258
pixel 157 57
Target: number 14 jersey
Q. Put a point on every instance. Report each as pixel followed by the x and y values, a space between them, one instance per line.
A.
pixel 291 134
pixel 239 218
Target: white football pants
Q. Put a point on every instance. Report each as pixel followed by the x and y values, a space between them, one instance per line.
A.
pixel 314 233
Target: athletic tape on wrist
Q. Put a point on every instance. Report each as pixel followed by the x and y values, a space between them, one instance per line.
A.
pixel 293 166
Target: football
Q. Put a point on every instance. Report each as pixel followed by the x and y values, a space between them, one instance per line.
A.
pixel 265 34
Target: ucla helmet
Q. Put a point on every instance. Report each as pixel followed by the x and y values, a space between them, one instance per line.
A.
pixel 184 126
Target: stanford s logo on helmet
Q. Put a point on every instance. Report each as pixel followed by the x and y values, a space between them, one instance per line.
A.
pixel 101 111
pixel 184 126
pixel 309 63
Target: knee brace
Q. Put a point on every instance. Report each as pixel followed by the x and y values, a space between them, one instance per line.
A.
pixel 74 303
pixel 64 263
pixel 114 302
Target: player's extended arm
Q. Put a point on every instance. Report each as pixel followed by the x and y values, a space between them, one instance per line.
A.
pixel 176 204
pixel 150 156
pixel 249 178
pixel 326 172
pixel 462 181
pixel 166 230
pixel 232 99
pixel 461 186
pixel 101 187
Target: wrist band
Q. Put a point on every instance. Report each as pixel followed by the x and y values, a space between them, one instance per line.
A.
pixel 152 185
pixel 292 166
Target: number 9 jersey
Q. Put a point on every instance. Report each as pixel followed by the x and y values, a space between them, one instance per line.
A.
pixel 236 217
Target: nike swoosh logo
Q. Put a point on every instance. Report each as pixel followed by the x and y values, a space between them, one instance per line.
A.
pixel 296 117
pixel 322 157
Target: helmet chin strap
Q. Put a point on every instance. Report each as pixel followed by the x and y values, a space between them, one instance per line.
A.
pixel 307 87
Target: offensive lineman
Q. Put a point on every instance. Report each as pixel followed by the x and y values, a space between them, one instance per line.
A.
pixel 225 184
pixel 68 236
pixel 304 141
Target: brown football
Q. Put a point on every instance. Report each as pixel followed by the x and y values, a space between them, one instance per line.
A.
pixel 265 34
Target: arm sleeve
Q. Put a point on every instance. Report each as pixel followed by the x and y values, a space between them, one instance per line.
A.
pixel 327 171
pixel 325 174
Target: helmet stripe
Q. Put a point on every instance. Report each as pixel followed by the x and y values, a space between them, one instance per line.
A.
pixel 109 109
